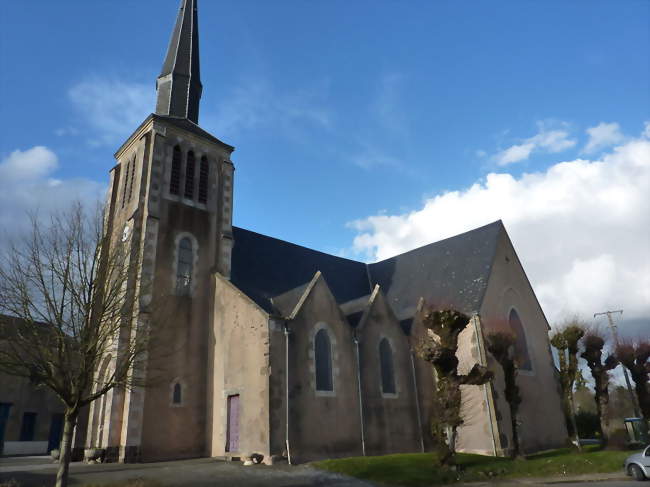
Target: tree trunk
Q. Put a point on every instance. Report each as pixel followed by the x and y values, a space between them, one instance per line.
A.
pixel 69 424
pixel 603 411
pixel 573 421
pixel 516 453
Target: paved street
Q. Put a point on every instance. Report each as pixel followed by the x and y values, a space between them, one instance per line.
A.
pixel 40 471
pixel 203 472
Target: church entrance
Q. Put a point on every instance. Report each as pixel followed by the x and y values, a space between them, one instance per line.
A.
pixel 232 435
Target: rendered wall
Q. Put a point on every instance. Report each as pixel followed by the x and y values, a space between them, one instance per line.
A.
pixel 390 420
pixel 322 425
pixel 239 364
pixel 540 413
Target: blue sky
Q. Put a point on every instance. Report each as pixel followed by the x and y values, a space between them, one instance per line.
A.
pixel 345 112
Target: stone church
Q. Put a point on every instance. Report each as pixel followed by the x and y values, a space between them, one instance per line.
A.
pixel 277 349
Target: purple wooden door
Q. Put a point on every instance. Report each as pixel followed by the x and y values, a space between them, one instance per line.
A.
pixel 232 441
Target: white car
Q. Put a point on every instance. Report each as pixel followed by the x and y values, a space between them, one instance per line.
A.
pixel 638 465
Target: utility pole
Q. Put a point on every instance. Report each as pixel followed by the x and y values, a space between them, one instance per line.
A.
pixel 615 335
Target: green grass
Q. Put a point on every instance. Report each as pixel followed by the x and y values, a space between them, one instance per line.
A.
pixel 421 469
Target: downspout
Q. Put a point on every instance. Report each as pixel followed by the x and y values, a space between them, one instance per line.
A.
pixel 286 399
pixel 363 435
pixel 483 360
pixel 417 401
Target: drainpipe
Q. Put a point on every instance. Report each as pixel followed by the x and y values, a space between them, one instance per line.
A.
pixel 417 401
pixel 483 359
pixel 286 374
pixel 363 435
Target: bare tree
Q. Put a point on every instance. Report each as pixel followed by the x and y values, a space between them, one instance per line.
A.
pixel 593 344
pixel 565 341
pixel 439 348
pixel 65 286
pixel 501 345
pixel 635 356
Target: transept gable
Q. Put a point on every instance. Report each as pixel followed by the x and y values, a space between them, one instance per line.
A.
pixel 378 314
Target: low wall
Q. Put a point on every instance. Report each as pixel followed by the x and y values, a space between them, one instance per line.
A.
pixel 25 448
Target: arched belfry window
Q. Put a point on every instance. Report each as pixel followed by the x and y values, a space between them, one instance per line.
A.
pixel 184 266
pixel 175 177
pixel 323 356
pixel 177 394
pixel 521 347
pixel 204 172
pixel 189 175
pixel 387 369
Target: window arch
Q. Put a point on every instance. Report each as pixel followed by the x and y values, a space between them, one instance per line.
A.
pixel 177 394
pixel 323 356
pixel 386 366
pixel 204 172
pixel 189 175
pixel 175 177
pixel 184 266
pixel 521 346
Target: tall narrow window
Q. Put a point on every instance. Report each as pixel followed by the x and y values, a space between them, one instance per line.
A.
pixel 175 178
pixel 323 354
pixel 28 427
pixel 189 176
pixel 127 171
pixel 521 347
pixel 387 370
pixel 177 394
pixel 204 172
pixel 132 177
pixel 184 266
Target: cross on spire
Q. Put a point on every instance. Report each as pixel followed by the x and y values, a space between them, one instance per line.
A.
pixel 179 84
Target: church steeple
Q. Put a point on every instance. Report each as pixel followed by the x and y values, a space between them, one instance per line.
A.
pixel 179 84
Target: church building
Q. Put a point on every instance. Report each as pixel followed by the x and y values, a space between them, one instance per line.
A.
pixel 277 349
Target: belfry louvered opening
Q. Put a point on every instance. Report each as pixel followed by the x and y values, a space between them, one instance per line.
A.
pixel 175 178
pixel 204 172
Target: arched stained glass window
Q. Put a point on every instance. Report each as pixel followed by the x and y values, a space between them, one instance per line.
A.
pixel 387 370
pixel 204 171
pixel 175 178
pixel 521 347
pixel 323 354
pixel 189 175
pixel 177 392
pixel 184 266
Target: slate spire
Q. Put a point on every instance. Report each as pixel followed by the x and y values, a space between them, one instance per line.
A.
pixel 179 84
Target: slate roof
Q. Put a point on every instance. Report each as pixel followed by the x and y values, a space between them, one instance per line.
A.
pixel 452 272
pixel 265 267
pixel 179 84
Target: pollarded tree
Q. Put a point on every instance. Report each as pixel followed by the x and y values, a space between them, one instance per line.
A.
pixel 65 289
pixel 635 356
pixel 566 342
pixel 439 348
pixel 593 344
pixel 501 345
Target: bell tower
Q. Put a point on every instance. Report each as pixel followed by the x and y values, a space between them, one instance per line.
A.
pixel 170 196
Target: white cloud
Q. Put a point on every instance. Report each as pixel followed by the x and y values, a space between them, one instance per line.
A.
pixel 546 140
pixel 601 136
pixel 111 108
pixel 33 163
pixel 580 229
pixel 26 184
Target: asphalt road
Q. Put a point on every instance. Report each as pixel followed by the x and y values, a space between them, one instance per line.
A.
pixel 204 472
pixel 38 472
